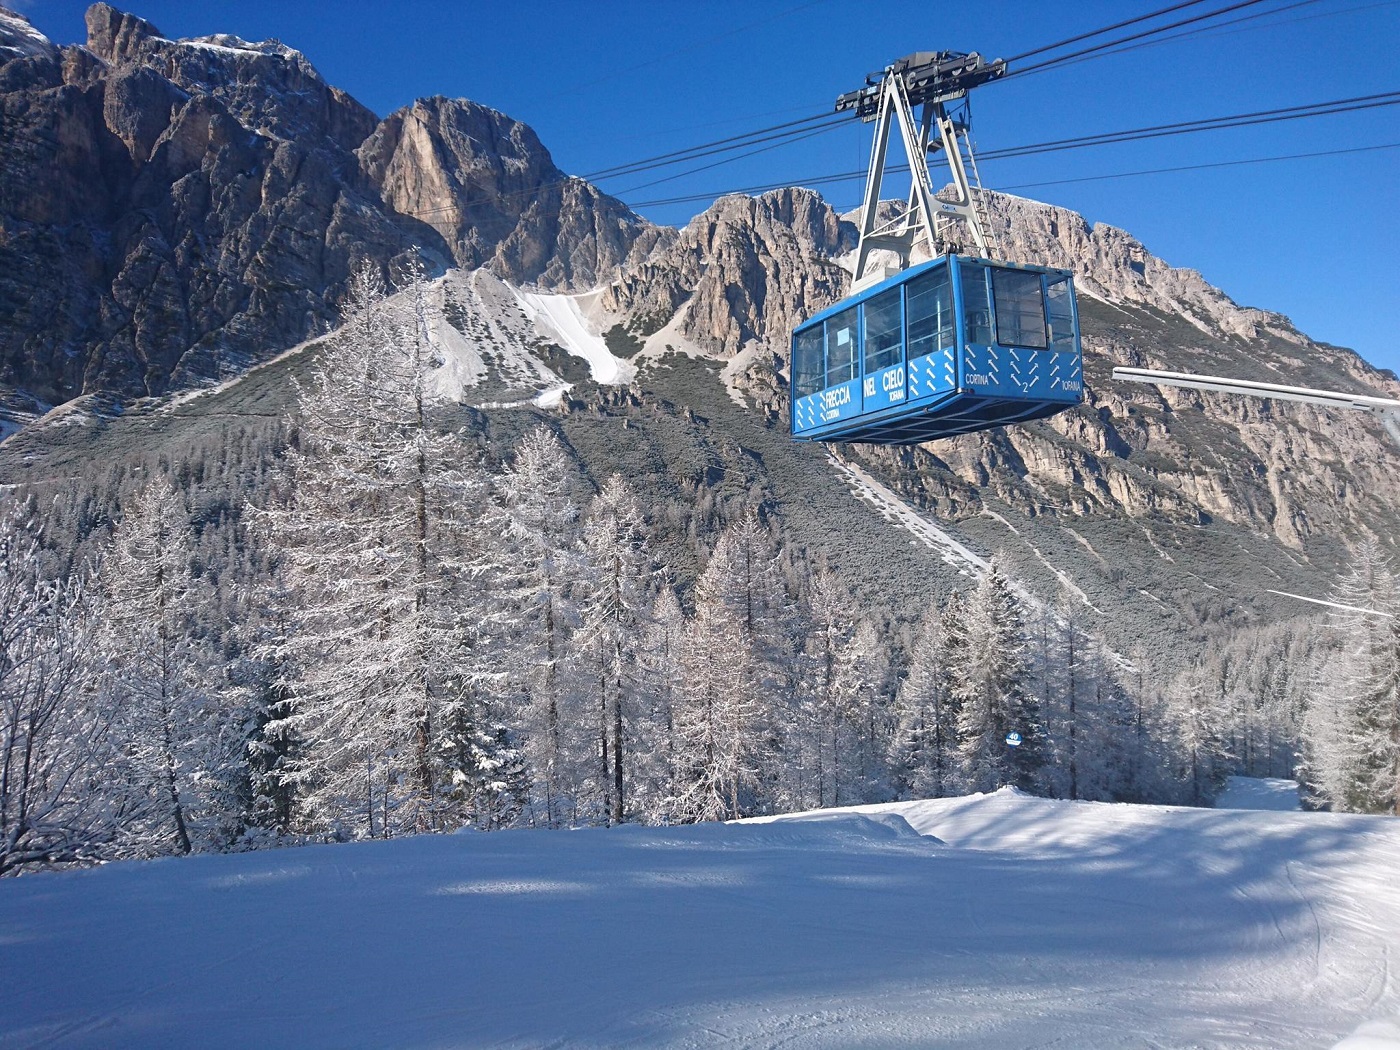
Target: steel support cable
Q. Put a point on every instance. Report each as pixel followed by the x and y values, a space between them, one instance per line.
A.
pixel 730 160
pixel 754 137
pixel 1222 28
pixel 705 148
pixel 1204 166
pixel 1318 109
pixel 1061 59
pixel 1263 116
pixel 1099 32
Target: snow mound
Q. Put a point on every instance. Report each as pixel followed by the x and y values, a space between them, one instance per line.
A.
pixel 1268 793
pixel 1374 1035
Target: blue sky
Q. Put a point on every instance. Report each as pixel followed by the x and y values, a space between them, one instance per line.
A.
pixel 606 83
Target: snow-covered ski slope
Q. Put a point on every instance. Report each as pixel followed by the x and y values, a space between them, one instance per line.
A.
pixel 996 921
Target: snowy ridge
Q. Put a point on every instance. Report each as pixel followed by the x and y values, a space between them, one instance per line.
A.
pixel 986 922
pixel 18 38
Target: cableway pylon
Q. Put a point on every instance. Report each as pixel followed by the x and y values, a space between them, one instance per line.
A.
pixel 932 80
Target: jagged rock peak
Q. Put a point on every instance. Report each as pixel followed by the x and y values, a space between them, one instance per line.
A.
pixel 19 39
pixel 115 36
pixel 271 89
pixel 745 267
pixel 487 185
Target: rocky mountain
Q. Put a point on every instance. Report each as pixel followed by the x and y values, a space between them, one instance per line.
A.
pixel 173 211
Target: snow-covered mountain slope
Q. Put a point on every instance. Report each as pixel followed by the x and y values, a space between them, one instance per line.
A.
pixel 996 921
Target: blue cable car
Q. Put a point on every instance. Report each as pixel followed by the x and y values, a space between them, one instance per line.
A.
pixel 945 347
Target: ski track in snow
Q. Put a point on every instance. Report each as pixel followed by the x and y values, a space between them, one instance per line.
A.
pixel 991 921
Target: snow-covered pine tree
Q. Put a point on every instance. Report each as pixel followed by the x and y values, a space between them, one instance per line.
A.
pixel 1198 723
pixel 57 739
pixel 860 725
pixel 376 545
pixel 992 694
pixel 828 630
pixel 1066 687
pixel 922 755
pixel 731 673
pixel 536 573
pixel 1355 763
pixel 655 785
pixel 616 596
pixel 180 739
pixel 715 708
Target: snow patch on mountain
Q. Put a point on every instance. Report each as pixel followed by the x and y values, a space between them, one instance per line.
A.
pixel 19 39
pixel 559 317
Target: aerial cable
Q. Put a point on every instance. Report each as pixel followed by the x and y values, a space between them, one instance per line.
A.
pixel 1219 28
pixel 741 156
pixel 692 152
pixel 1316 109
pixel 1202 167
pixel 1061 59
pixel 759 135
pixel 1099 32
pixel 1263 116
pixel 828 180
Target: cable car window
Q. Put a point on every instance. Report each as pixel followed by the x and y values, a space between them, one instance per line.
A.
pixel 883 333
pixel 1020 308
pixel 807 361
pixel 977 314
pixel 930 313
pixel 841 347
pixel 1059 310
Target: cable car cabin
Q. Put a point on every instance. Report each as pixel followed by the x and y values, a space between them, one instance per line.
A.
pixel 949 346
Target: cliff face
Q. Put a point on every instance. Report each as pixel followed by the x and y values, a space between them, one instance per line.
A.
pixel 748 268
pixel 173 210
pixel 489 189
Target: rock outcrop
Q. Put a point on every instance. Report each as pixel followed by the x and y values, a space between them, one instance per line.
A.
pixel 748 268
pixel 490 190
pixel 174 210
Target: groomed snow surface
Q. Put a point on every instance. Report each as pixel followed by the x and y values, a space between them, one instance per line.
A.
pixel 992 921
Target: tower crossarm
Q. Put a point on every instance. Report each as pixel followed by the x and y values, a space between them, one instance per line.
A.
pixel 927 76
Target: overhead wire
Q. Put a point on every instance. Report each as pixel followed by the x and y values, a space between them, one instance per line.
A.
pixel 1203 31
pixel 1257 117
pixel 1204 166
pixel 1105 29
pixel 1062 59
pixel 760 135
pixel 707 148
